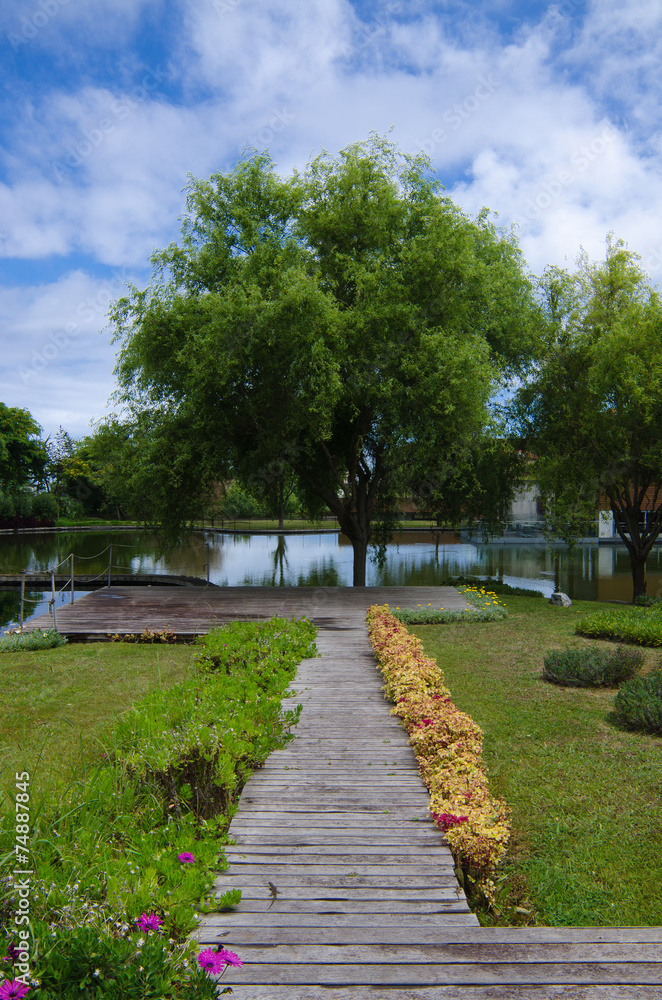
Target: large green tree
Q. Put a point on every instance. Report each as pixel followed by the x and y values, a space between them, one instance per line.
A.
pixel 349 322
pixel 591 411
pixel 23 455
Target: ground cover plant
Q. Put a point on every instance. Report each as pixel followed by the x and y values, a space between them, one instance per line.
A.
pixel 14 640
pixel 485 607
pixel 591 667
pixel 584 794
pixel 448 746
pixel 125 856
pixel 639 625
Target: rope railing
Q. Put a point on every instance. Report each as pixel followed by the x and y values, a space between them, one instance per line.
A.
pixel 69 583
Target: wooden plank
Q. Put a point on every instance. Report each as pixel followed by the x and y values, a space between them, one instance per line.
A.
pixel 442 936
pixel 461 954
pixel 513 991
pixel 409 975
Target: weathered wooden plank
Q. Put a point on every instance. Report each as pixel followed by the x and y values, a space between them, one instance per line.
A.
pixel 275 918
pixel 633 973
pixel 261 852
pixel 407 907
pixel 462 954
pixel 443 936
pixel 513 991
pixel 339 880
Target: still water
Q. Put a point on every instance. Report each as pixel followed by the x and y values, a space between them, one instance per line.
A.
pixel 416 558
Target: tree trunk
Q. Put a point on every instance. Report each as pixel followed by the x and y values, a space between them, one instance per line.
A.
pixel 360 547
pixel 638 565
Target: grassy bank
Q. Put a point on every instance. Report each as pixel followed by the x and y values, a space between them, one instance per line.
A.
pixel 586 797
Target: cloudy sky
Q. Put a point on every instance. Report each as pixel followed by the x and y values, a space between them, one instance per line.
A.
pixel 547 114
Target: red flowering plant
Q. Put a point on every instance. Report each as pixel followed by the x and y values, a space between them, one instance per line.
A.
pixel 448 745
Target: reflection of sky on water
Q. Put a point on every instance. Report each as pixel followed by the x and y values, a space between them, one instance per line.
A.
pixel 590 572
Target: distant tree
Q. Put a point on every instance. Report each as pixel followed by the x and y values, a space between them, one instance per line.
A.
pixel 591 410
pixel 350 322
pixel 23 455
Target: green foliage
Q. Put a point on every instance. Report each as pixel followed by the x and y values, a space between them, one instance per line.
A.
pixel 638 704
pixel 341 331
pixel 44 506
pixel 641 626
pixel 23 455
pixel 108 849
pixel 590 409
pixel 591 667
pixel 12 642
pixel 239 503
pixel 646 601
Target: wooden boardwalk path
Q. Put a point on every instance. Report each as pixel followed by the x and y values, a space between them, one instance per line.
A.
pixel 367 903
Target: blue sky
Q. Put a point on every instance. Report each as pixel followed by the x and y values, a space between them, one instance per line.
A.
pixel 547 114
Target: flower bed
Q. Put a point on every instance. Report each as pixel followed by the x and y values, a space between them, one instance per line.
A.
pixel 448 745
pixel 486 607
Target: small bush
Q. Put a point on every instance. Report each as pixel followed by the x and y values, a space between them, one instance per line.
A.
pixel 638 704
pixel 18 642
pixel 641 626
pixel 44 506
pixel 591 667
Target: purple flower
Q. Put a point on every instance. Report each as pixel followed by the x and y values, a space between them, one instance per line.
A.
pixel 211 961
pixel 186 858
pixel 14 990
pixel 149 922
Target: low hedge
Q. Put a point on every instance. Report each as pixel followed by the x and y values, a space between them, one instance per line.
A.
pixel 591 667
pixel 640 626
pixel 448 745
pixel 638 704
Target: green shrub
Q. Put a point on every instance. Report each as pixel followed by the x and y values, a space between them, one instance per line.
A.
pixel 591 667
pixel 15 642
pixel 638 704
pixel 44 506
pixel 641 626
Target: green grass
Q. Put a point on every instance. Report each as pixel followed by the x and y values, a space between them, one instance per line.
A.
pixel 586 797
pixel 56 702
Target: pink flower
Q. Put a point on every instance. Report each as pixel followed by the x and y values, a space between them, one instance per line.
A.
pixel 215 961
pixel 149 922
pixel 230 958
pixel 186 858
pixel 211 961
pixel 14 990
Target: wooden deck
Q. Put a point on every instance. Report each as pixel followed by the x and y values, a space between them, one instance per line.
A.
pixel 191 611
pixel 368 907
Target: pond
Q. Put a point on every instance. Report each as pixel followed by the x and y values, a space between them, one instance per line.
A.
pixel 324 559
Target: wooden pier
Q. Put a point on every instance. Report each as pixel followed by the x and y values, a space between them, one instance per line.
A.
pixel 365 904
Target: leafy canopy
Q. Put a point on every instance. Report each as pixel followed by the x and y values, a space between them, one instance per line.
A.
pixel 349 322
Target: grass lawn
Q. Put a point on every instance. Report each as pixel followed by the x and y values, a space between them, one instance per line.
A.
pixel 586 797
pixel 55 702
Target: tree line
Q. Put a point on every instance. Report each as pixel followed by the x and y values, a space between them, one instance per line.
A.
pixel 348 336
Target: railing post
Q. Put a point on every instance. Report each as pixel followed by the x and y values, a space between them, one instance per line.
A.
pixel 53 600
pixel 207 562
pixel 22 597
pixel 72 579
pixel 110 560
